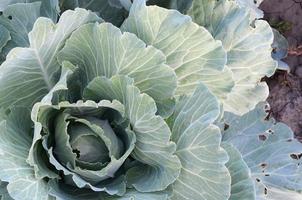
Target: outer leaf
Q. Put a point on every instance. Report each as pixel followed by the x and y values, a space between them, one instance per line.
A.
pixel 110 10
pixel 66 192
pixel 3 192
pixel 15 142
pixel 49 8
pixel 102 50
pixel 135 195
pixel 269 150
pixel 28 188
pixel 5 37
pixel 37 66
pixel 203 175
pixel 248 49
pixel 242 186
pixel 252 6
pixel 153 149
pixel 280 47
pixel 17 21
pixel 5 3
pixel 190 50
pixel 280 194
pixel 180 5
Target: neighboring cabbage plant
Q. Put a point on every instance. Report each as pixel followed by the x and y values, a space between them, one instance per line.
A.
pixel 93 108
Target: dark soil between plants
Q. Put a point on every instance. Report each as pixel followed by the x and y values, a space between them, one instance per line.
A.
pixel 286 88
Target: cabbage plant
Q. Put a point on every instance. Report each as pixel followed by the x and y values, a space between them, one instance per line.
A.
pixel 129 100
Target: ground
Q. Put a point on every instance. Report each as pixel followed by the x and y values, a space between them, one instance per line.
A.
pixel 286 88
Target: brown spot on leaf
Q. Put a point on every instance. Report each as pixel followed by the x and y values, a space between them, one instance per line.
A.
pixel 262 137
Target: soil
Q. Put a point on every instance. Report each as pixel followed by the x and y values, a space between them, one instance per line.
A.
pixel 286 88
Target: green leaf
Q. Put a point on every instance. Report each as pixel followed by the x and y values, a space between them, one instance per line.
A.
pixel 203 175
pixel 248 50
pixel 110 10
pixel 3 192
pixel 49 8
pixel 135 195
pixel 242 186
pixel 15 142
pixel 5 37
pixel 280 47
pixel 180 5
pixel 18 21
pixel 102 50
pixel 252 6
pixel 153 149
pixel 62 191
pixel 14 145
pixel 277 193
pixel 268 148
pixel 190 49
pixel 37 66
pixel 28 188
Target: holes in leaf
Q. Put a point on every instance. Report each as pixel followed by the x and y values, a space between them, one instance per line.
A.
pixel 262 137
pixel 1 13
pixel 10 17
pixel 296 156
pixel 266 175
pixel 289 140
pixel 258 180
pixel 77 152
pixel 263 165
pixel 265 191
pixel 226 127
pixel 270 131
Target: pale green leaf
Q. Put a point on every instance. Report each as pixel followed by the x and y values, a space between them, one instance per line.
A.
pixel 18 20
pixel 190 49
pixel 37 66
pixel 102 50
pixel 252 6
pixel 28 188
pixel 203 175
pixel 15 142
pixel 268 148
pixel 248 49
pixel 14 145
pixel 242 186
pixel 153 149
pixel 132 194
pixel 280 194
pixel 49 8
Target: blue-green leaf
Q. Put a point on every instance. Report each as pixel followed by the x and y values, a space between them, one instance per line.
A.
pixel 190 49
pixel 37 66
pixel 268 148
pixel 248 46
pixel 203 175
